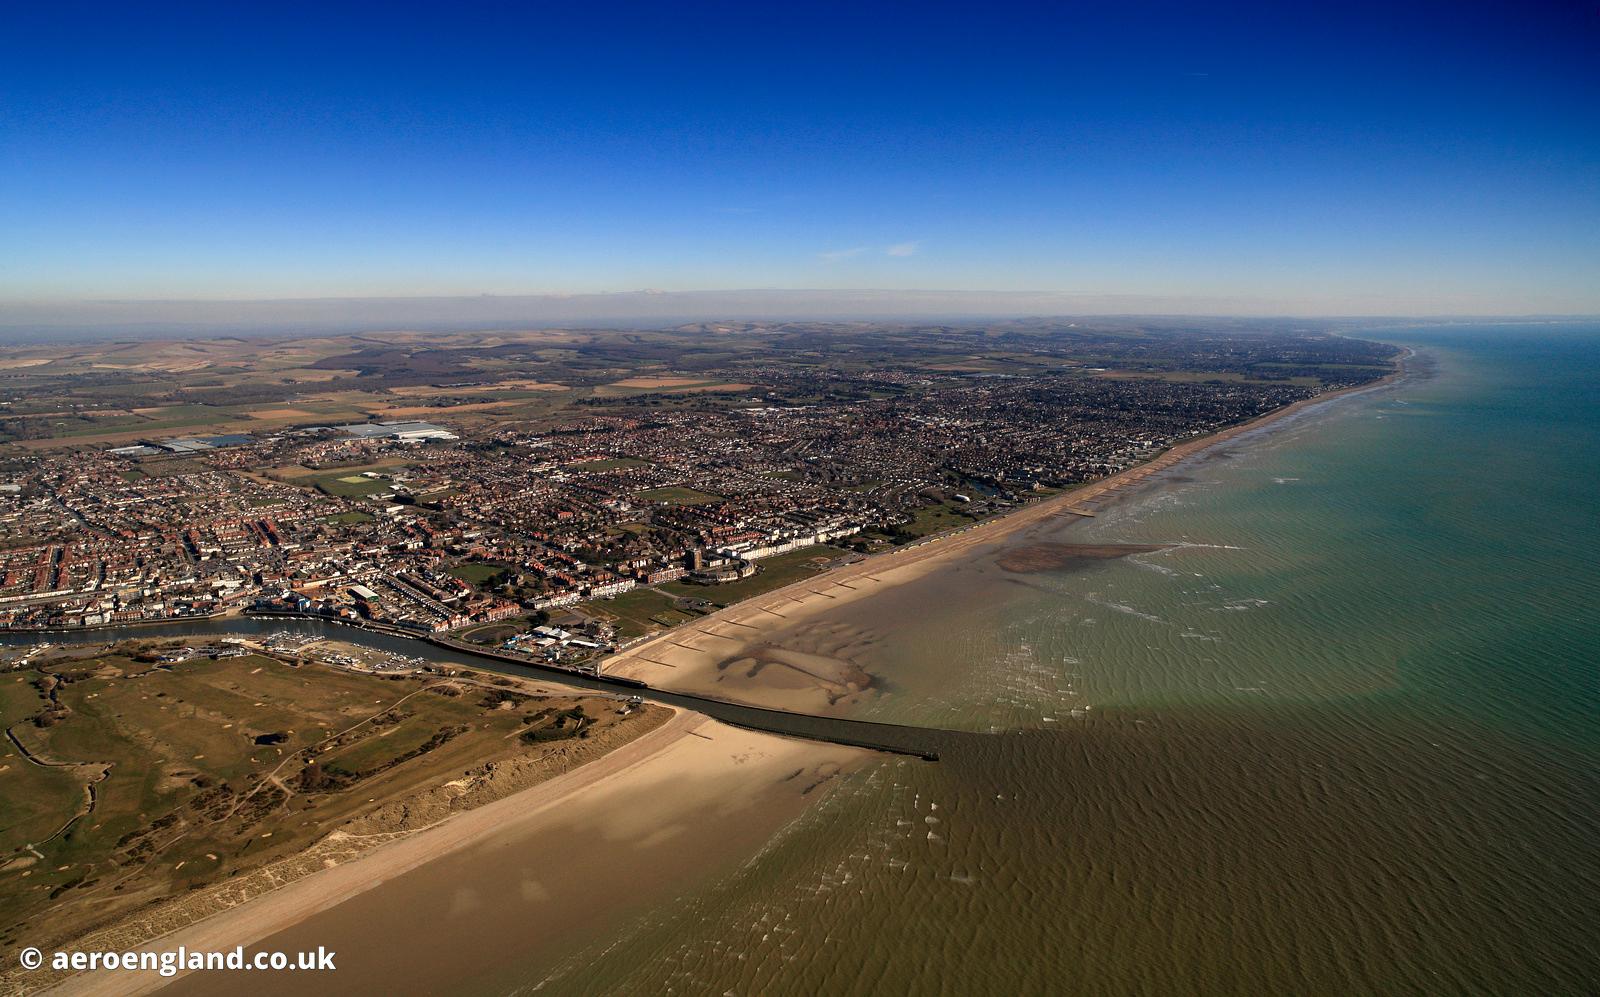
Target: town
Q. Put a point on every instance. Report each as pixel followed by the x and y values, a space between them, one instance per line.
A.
pixel 557 509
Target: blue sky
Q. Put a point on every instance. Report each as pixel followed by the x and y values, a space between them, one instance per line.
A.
pixel 1415 159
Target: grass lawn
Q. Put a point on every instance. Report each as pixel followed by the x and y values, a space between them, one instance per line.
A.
pixel 353 516
pixel 637 529
pixel 932 519
pixel 476 572
pixel 343 484
pixel 771 573
pixel 674 495
pixel 638 612
pixel 609 464
pixel 381 747
pixel 37 800
pixel 495 633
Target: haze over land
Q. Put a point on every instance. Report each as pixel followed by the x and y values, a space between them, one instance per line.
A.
pixel 45 321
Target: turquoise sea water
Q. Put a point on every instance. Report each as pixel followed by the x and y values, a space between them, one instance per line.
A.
pixel 1340 736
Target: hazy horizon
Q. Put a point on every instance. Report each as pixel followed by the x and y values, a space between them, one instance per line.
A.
pixel 45 321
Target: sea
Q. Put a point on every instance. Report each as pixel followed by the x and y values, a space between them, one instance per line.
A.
pixel 1338 735
pixel 1335 729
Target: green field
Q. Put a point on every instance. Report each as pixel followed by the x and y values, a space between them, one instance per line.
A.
pixel 477 572
pixel 609 464
pixel 771 573
pixel 689 387
pixel 931 519
pixel 638 612
pixel 496 633
pixel 342 482
pixel 343 485
pixel 636 529
pixel 38 799
pixel 678 496
pixel 171 417
pixel 385 747
pixel 346 518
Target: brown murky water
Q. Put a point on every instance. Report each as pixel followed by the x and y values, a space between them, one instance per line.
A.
pixel 1332 727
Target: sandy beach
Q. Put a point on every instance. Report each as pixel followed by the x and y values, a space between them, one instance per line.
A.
pixel 577 853
pixel 545 871
pixel 728 654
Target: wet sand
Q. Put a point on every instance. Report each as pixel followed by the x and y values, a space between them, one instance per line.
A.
pixel 509 887
pixel 728 655
pixel 504 891
pixel 1059 556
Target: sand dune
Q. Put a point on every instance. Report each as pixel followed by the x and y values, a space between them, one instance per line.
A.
pixel 613 834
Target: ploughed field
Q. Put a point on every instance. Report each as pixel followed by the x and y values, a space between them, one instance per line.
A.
pixel 125 780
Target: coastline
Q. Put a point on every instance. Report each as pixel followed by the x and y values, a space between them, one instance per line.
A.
pixel 623 666
pixel 689 658
pixel 398 818
pixel 656 758
pixel 705 762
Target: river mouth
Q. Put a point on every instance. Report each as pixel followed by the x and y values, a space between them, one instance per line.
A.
pixel 924 743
